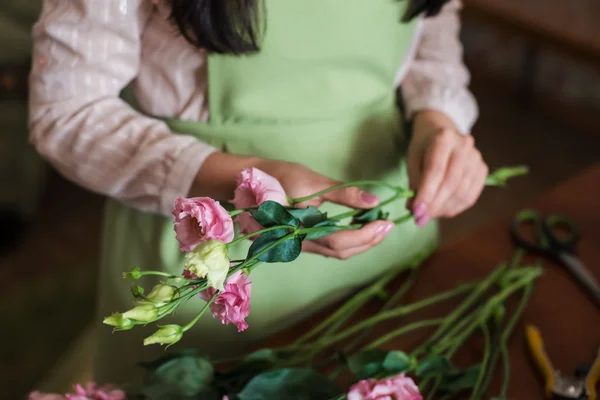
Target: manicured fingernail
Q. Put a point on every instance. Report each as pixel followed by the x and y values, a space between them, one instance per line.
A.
pixel 422 221
pixel 419 210
pixel 385 229
pixel 369 198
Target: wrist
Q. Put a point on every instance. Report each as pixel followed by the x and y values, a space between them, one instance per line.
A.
pixel 216 178
pixel 427 121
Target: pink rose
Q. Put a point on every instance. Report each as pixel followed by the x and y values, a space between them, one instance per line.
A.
pixel 254 187
pixel 232 305
pixel 399 387
pixel 200 219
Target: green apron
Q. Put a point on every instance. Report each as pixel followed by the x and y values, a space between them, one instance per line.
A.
pixel 320 93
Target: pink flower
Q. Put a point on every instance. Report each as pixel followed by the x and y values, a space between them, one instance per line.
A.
pixel 200 219
pixel 93 392
pixel 90 392
pixel 254 187
pixel 232 305
pixel 399 387
pixel 45 396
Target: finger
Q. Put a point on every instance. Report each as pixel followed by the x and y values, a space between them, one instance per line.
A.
pixel 435 164
pixel 316 248
pixel 352 197
pixel 345 240
pixel 455 178
pixel 469 189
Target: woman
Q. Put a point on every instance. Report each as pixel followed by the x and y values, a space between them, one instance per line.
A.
pixel 303 90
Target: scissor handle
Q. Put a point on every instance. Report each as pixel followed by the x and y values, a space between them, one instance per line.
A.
pixel 546 238
pixel 536 347
pixel 593 377
pixel 569 234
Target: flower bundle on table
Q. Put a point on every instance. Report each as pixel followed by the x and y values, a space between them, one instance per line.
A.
pixel 334 361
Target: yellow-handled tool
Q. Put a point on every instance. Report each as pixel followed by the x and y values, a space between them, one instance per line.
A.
pixel 559 387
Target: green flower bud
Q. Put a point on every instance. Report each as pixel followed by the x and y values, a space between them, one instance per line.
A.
pixel 135 274
pixel 137 291
pixel 142 313
pixel 209 260
pixel 167 334
pixel 119 322
pixel 162 294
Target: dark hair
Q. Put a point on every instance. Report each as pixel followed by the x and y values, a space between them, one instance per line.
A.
pixel 232 26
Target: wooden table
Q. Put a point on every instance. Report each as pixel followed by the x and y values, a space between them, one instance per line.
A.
pixel 569 322
pixel 571 26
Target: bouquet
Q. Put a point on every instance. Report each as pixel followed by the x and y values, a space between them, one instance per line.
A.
pixel 332 361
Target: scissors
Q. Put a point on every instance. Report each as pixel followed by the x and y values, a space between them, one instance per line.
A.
pixel 562 387
pixel 550 242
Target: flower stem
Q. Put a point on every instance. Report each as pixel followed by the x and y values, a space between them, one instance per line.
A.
pixel 450 321
pixel 489 307
pixel 405 192
pixel 393 313
pixel 484 363
pixel 389 304
pixel 401 331
pixel 352 304
pixel 250 235
pixel 505 336
pixel 197 317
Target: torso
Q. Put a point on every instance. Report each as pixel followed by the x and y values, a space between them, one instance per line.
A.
pixel 172 78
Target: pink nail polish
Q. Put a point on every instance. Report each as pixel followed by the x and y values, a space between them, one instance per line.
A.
pixel 419 210
pixel 385 229
pixel 388 228
pixel 422 221
pixel 369 198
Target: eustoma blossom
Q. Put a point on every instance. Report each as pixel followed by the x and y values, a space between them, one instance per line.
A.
pixel 232 305
pixel 200 219
pixel 254 187
pixel 399 387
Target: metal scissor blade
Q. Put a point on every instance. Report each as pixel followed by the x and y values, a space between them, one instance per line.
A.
pixel 583 275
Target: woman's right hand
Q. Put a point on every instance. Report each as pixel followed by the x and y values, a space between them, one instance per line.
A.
pixel 216 179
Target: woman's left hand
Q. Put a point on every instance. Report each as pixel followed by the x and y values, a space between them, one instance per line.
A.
pixel 444 167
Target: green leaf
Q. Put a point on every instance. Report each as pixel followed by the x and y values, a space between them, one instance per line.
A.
pixel 270 213
pixel 460 381
pixel 181 378
pixel 435 366
pixel 235 379
pixel 286 251
pixel 289 384
pixel 309 216
pixel 371 215
pixel 369 363
pixel 317 235
pixel 398 361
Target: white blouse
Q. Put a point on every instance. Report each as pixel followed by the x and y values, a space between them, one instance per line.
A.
pixel 87 51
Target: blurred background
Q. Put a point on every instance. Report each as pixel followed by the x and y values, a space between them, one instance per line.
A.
pixel 536 73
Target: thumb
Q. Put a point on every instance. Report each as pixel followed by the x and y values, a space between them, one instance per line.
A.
pixel 352 197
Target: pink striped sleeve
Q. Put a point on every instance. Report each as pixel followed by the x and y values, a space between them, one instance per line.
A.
pixel 85 53
pixel 437 78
